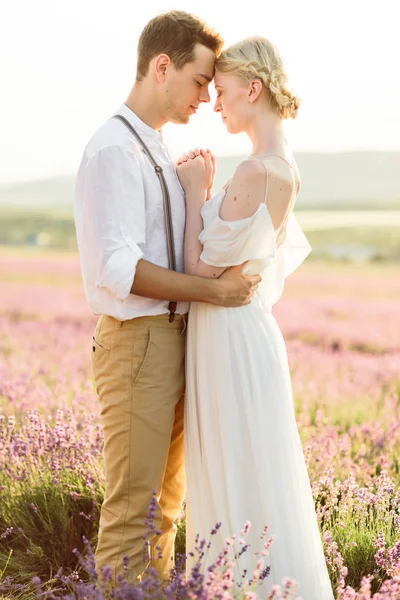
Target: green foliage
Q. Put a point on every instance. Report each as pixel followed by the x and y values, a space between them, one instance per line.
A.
pixel 39 227
pixel 48 519
pixel 55 229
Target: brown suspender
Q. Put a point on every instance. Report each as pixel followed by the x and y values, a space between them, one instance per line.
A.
pixel 167 207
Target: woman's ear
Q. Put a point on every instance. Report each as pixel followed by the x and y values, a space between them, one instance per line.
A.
pixel 255 89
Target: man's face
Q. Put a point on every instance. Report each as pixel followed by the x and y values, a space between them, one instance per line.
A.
pixel 186 88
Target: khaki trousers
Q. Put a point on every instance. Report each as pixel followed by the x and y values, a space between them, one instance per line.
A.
pixel 139 370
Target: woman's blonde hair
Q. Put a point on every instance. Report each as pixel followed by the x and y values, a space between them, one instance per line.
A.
pixel 258 58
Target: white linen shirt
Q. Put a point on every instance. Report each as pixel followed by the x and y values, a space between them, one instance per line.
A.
pixel 119 216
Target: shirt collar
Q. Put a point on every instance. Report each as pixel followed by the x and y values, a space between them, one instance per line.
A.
pixel 139 124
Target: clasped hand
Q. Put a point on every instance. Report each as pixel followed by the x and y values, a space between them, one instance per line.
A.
pixel 196 172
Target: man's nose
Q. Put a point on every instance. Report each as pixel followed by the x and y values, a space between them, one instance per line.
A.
pixel 205 95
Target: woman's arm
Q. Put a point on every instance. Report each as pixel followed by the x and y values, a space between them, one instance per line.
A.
pixel 195 172
pixel 193 248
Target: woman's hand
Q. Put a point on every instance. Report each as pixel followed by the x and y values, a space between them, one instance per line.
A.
pixel 192 177
pixel 211 173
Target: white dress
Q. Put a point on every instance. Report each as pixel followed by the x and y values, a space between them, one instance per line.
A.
pixel 244 459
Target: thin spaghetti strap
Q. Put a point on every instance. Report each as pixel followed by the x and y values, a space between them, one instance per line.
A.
pixel 266 177
pixel 225 187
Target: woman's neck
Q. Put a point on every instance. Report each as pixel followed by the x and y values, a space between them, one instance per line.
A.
pixel 267 135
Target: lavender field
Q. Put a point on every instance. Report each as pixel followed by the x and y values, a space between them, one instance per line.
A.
pixel 342 328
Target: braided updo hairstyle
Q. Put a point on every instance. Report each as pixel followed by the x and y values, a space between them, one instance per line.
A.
pixel 258 58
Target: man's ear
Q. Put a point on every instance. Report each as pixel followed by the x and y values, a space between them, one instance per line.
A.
pixel 254 89
pixel 161 64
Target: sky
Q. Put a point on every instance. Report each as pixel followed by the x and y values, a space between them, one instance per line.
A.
pixel 66 67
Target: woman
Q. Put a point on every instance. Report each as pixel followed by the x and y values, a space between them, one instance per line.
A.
pixel 244 458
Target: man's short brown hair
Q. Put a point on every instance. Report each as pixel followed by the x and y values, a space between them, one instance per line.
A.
pixel 174 33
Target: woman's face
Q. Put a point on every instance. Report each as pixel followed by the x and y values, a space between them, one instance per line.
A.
pixel 233 101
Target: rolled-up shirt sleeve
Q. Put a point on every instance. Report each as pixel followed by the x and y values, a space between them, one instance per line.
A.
pixel 114 229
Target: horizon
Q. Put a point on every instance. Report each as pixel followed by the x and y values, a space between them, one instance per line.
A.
pixel 72 174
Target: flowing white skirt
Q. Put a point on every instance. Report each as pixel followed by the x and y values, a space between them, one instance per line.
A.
pixel 244 459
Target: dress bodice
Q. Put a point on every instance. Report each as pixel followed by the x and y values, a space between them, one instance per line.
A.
pixel 253 239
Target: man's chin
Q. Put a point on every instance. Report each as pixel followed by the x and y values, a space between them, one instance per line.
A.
pixel 180 119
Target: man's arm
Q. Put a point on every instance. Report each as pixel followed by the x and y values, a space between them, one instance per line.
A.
pixel 114 219
pixel 231 289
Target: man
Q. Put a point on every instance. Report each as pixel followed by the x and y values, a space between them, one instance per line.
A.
pixel 138 353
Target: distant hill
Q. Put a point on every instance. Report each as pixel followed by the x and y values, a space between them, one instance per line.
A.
pixel 329 180
pixel 56 192
pixel 342 180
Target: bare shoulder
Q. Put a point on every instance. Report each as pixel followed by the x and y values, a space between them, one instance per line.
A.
pixel 248 168
pixel 246 191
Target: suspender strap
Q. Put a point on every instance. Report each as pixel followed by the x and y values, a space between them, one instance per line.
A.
pixel 167 206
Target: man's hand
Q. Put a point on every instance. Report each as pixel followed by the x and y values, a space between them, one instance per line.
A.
pixel 236 289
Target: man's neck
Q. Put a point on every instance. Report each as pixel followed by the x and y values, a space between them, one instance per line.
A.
pixel 148 112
